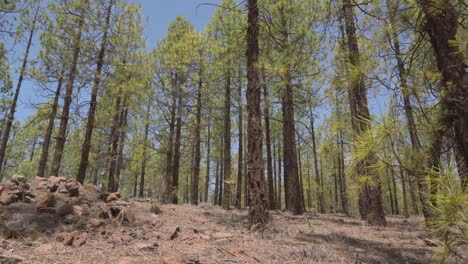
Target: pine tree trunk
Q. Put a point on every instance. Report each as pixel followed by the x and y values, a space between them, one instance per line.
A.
pixel 370 195
pixel 11 113
pixel 143 158
pixel 227 145
pixel 208 149
pixel 291 170
pixel 50 128
pixel 266 105
pixel 215 195
pixel 111 183
pixel 122 137
pixel 320 199
pixel 258 211
pixel 166 179
pixel 240 165
pixel 441 25
pixel 404 194
pixel 395 195
pixel 177 154
pixel 80 177
pixel 280 180
pixel 197 158
pixel 62 133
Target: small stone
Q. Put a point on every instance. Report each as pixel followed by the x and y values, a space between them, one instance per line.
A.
pixel 79 240
pixel 170 260
pixel 94 223
pixel 124 260
pixel 46 200
pixel 73 188
pixel 44 248
pixel 69 238
pixel 53 183
pixel 112 197
pixel 18 179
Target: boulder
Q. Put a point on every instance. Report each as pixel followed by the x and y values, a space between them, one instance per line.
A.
pixel 17 179
pixel 53 182
pixel 73 188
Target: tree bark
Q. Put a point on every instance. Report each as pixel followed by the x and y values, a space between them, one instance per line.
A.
pixel 85 148
pixel 258 211
pixel 111 183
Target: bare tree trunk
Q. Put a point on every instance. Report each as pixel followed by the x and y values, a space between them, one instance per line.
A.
pixel 227 145
pixel 266 105
pixel 11 113
pixel 80 177
pixel 241 147
pixel 280 182
pixel 61 136
pixel 258 211
pixel 395 195
pixel 50 128
pixel 215 195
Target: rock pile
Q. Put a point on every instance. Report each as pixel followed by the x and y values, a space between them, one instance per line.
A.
pixel 57 204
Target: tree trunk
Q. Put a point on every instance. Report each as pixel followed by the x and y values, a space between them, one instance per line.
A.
pixel 227 145
pixel 258 211
pixel 166 180
pixel 11 113
pixel 208 148
pixel 122 137
pixel 280 191
pixel 215 195
pixel 50 128
pixel 266 111
pixel 441 25
pixel 111 183
pixel 291 173
pixel 370 194
pixel 80 177
pixel 404 194
pixel 320 199
pixel 395 195
pixel 143 158
pixel 177 140
pixel 241 148
pixel 197 158
pixel 62 133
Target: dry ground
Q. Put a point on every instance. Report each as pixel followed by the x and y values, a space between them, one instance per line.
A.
pixel 211 235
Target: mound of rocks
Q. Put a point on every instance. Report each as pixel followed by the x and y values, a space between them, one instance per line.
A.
pixel 55 204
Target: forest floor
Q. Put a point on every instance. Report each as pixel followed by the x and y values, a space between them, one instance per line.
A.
pixel 208 234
